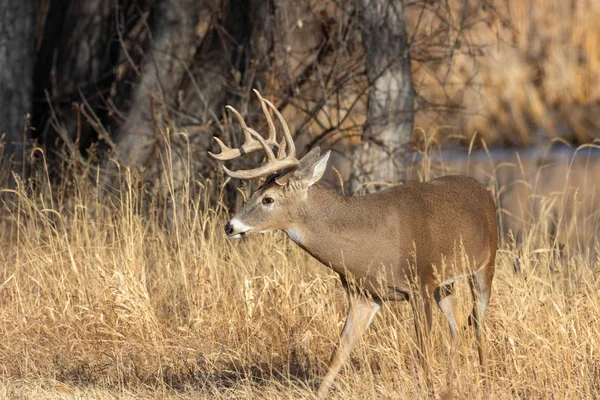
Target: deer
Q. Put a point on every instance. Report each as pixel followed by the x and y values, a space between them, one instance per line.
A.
pixel 409 242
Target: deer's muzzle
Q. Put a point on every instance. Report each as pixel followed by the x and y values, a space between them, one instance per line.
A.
pixel 236 228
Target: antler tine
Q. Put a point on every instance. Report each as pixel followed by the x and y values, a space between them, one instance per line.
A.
pixel 262 142
pixel 226 152
pixel 241 121
pixel 250 144
pixel 281 149
pixel 272 132
pixel 255 141
pixel 286 131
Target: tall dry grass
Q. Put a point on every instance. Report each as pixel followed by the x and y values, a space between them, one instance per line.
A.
pixel 102 298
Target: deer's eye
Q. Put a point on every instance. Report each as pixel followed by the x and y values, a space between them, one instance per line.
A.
pixel 267 200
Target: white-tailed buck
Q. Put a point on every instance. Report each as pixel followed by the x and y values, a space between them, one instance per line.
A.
pixel 409 242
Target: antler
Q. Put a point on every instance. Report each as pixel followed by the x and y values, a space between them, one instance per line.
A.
pixel 254 141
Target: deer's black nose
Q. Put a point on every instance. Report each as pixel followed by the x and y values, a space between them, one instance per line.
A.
pixel 228 228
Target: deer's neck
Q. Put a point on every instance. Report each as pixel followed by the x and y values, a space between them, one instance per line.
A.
pixel 327 225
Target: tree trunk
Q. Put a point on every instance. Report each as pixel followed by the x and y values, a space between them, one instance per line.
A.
pixel 381 155
pixel 174 44
pixel 16 74
pixel 84 61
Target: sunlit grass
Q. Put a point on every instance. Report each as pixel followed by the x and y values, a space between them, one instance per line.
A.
pixel 101 296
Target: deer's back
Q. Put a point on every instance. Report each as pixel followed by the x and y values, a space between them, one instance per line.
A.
pixel 442 228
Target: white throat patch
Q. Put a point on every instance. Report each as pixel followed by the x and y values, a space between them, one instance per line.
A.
pixel 295 235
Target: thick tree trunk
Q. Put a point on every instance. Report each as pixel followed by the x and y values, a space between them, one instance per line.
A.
pixel 84 61
pixel 16 74
pixel 381 155
pixel 73 59
pixel 221 65
pixel 174 44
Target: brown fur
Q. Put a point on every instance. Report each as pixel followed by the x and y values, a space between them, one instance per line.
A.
pixel 409 242
pixel 383 238
pixel 402 243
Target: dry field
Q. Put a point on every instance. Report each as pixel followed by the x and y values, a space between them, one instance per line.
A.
pixel 102 299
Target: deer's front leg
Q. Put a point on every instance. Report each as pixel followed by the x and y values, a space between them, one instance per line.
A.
pixel 360 315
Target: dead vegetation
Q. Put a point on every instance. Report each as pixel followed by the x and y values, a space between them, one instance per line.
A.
pixel 101 299
pixel 129 288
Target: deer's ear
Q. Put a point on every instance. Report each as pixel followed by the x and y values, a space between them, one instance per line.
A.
pixel 309 159
pixel 317 169
pixel 311 169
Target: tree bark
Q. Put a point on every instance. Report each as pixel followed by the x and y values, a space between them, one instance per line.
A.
pixel 174 44
pixel 381 155
pixel 16 74
pixel 83 63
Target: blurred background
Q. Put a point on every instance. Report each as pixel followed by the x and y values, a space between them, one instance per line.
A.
pixel 502 87
pixel 102 78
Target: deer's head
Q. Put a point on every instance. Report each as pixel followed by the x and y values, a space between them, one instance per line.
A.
pixel 280 200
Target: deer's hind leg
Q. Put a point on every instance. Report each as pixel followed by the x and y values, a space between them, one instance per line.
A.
pixel 481 288
pixel 422 310
pixel 446 301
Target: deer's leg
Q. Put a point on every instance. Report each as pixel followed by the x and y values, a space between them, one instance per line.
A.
pixel 423 319
pixel 481 288
pixel 360 315
pixel 447 302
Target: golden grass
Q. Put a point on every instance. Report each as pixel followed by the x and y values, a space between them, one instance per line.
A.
pixel 102 299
